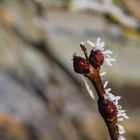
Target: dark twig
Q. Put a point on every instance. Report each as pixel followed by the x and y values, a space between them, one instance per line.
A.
pixel 103 104
pixel 107 102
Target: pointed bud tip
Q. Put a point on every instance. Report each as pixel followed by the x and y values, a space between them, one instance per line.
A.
pixel 82 44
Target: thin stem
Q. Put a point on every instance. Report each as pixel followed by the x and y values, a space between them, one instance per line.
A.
pixel 113 130
pixel 83 48
pixel 95 78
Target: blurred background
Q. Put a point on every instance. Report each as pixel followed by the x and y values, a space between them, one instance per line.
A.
pixel 41 97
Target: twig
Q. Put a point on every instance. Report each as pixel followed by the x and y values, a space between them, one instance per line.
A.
pixel 107 7
pixel 107 102
pixel 103 104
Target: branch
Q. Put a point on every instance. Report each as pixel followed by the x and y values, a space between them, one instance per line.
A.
pixel 107 7
pixel 107 102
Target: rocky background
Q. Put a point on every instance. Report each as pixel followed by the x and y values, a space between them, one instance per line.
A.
pixel 41 98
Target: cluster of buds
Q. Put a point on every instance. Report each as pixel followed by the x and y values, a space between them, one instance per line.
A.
pixel 107 102
pixel 81 65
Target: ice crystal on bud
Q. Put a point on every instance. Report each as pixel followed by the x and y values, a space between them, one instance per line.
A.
pixel 121 129
pixel 122 114
pixel 99 45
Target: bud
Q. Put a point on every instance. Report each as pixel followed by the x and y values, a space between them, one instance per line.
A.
pixel 108 110
pixel 80 65
pixel 96 58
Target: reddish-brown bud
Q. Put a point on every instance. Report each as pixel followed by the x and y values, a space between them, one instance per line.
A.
pixel 80 65
pixel 96 58
pixel 108 110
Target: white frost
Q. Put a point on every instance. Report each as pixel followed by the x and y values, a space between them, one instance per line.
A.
pixel 102 73
pixel 121 129
pixel 99 45
pixel 105 84
pixel 88 89
pixel 121 138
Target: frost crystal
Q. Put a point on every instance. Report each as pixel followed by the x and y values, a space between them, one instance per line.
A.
pixel 99 45
pixel 121 129
pixel 105 84
pixel 121 138
pixel 102 73
pixel 88 89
